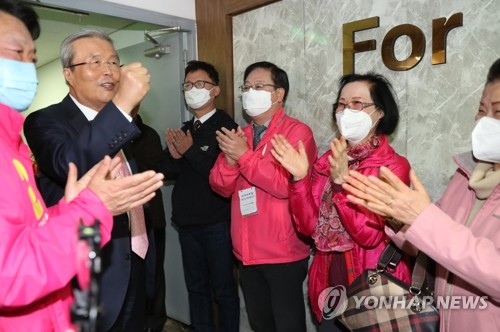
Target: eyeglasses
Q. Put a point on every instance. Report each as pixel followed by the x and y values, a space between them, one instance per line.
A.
pixel 198 84
pixel 256 86
pixel 354 105
pixel 99 65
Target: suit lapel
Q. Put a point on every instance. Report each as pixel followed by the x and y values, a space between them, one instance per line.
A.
pixel 75 117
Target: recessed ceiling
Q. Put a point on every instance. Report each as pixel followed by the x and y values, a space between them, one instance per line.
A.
pixel 57 24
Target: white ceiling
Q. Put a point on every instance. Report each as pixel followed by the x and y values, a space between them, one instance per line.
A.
pixel 57 24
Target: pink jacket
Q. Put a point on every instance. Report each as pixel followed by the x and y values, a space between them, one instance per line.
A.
pixel 468 257
pixel 269 236
pixel 365 228
pixel 38 245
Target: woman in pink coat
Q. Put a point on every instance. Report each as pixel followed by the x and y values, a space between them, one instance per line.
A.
pixel 39 248
pixel 461 232
pixel 348 238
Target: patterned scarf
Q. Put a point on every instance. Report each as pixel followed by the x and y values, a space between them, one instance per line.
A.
pixel 329 233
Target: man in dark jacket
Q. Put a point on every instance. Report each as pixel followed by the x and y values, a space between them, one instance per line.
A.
pixel 148 151
pixel 201 215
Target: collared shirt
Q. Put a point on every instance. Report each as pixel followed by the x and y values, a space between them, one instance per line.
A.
pixel 262 133
pixel 205 117
pixel 90 114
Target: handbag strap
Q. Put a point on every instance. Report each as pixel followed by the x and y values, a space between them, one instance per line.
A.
pixel 389 258
pixel 419 274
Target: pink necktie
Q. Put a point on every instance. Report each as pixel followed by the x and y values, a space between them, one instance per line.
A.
pixel 139 236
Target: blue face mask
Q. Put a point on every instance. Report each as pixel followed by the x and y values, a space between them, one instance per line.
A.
pixel 18 83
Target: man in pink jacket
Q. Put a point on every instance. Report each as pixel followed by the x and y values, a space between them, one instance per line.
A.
pixel 38 245
pixel 273 257
pixel 461 232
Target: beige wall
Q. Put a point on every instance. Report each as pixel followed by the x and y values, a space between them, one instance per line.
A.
pixel 437 102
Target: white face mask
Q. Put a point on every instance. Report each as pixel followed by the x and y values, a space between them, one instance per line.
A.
pixel 486 140
pixel 256 102
pixel 18 83
pixel 196 98
pixel 354 125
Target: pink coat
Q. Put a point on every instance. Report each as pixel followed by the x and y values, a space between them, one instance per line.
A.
pixel 467 256
pixel 365 228
pixel 38 245
pixel 269 236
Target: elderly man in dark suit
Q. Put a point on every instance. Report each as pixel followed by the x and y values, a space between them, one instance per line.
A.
pixel 92 121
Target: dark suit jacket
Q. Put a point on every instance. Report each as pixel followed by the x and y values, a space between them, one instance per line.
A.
pixel 61 133
pixel 148 151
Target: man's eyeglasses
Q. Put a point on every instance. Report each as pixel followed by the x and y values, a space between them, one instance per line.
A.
pixel 354 105
pixel 256 86
pixel 99 65
pixel 186 86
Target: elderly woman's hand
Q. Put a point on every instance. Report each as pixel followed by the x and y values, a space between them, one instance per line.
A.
pixel 338 160
pixel 388 196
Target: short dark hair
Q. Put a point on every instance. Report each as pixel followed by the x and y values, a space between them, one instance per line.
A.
pixel 195 65
pixel 278 75
pixel 494 72
pixel 383 96
pixel 25 13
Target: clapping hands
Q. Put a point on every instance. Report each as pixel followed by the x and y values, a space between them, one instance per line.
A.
pixel 178 142
pixel 294 161
pixel 118 194
pixel 388 195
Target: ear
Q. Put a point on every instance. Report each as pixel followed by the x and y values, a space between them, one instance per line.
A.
pixel 68 76
pixel 381 113
pixel 280 92
pixel 216 91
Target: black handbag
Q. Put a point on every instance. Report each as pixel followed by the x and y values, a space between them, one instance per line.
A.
pixel 378 301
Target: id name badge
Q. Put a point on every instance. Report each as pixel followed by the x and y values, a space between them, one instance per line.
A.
pixel 248 201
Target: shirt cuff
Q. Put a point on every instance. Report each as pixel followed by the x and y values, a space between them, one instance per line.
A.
pixel 125 114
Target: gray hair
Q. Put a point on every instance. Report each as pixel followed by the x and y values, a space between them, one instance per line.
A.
pixel 67 50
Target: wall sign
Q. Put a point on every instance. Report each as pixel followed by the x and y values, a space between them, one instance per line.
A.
pixel 440 28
